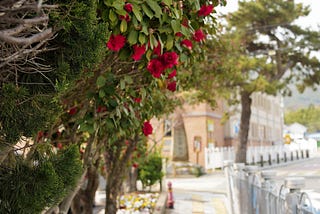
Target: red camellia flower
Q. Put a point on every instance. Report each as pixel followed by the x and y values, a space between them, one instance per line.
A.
pixel 157 50
pixel 172 74
pixel 116 42
pixel 126 17
pixel 135 165
pixel 101 109
pixel 205 10
pixel 128 7
pixel 172 86
pixel 137 100
pixel 185 22
pixel 39 135
pixel 138 51
pixel 198 35
pixel 59 146
pixel 155 67
pixel 73 111
pixel 187 43
pixel 169 59
pixel 147 128
pixel 178 34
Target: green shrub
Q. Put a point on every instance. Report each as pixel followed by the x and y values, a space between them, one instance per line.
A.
pixel 150 170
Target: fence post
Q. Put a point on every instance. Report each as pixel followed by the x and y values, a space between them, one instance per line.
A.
pixel 270 159
pixel 285 157
pixel 267 186
pixel 249 197
pixel 228 170
pixel 294 184
pixel 261 160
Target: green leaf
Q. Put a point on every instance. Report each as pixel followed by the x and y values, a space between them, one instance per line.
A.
pixel 101 81
pixel 176 26
pixel 167 2
pixel 108 2
pixel 142 38
pixel 137 13
pixel 170 40
pixel 122 84
pixel 143 93
pixel 147 11
pixel 153 41
pixel 185 31
pixel 102 93
pixel 113 103
pixel 128 79
pixel 118 113
pixel 85 127
pixel 132 37
pixel 145 30
pixel 123 26
pixel 118 5
pixel 155 7
pixel 112 16
pixel 126 111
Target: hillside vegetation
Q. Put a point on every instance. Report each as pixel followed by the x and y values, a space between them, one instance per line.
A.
pixel 309 117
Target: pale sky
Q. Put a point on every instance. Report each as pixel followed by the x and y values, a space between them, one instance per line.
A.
pixel 313 20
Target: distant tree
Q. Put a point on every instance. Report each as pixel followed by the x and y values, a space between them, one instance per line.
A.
pixel 261 49
pixel 308 117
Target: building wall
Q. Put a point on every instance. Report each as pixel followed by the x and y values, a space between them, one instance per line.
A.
pixel 266 122
pixel 202 124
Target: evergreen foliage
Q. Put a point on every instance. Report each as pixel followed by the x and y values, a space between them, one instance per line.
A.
pixel 22 113
pixel 33 184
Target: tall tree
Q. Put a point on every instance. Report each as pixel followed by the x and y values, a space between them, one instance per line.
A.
pixel 273 50
pixel 261 49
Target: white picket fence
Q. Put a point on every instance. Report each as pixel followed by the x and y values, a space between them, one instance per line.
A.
pixel 215 156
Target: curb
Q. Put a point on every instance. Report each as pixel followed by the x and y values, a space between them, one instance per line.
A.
pixel 160 207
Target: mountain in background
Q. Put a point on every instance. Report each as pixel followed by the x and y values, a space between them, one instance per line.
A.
pixel 303 100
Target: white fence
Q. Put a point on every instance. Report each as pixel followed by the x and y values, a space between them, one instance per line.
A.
pixel 215 156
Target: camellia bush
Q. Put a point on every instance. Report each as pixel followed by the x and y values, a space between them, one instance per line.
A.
pixel 107 109
pixel 147 44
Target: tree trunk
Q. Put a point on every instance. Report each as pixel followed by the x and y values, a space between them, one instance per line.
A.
pixel 84 200
pixel 241 151
pixel 116 170
pixel 90 191
pixel 131 180
pixel 66 203
pixel 113 189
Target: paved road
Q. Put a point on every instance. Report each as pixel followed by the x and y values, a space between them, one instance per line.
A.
pixel 307 168
pixel 203 195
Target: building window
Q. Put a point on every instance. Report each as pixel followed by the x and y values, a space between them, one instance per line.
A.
pixel 167 128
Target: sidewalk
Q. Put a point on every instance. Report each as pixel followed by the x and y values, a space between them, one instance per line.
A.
pixel 206 194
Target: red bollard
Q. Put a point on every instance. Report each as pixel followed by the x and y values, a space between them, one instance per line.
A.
pixel 170 201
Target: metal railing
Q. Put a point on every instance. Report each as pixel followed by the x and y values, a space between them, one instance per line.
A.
pixel 255 192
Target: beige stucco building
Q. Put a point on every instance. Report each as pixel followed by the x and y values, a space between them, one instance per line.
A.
pixel 184 135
